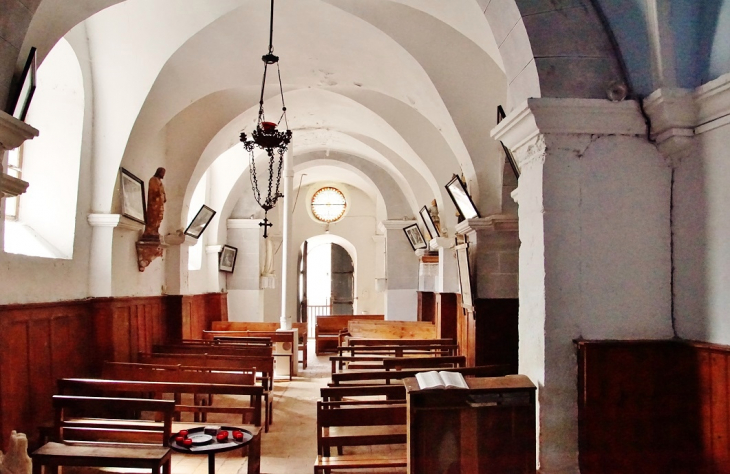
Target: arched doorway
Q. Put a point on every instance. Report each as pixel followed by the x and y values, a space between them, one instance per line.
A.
pixel 327 279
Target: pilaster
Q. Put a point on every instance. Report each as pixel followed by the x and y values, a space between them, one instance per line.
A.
pixel 401 298
pixel 245 297
pixel 587 268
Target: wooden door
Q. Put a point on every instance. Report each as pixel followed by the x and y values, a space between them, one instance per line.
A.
pixel 343 281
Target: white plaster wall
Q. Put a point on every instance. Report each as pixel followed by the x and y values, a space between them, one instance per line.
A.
pixel 702 249
pixel 605 270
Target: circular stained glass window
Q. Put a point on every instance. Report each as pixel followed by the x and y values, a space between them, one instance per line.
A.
pixel 328 204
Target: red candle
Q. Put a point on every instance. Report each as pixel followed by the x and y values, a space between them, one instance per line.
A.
pixel 179 439
pixel 188 442
pixel 183 433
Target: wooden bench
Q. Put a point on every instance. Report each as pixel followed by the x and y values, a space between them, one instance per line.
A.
pixel 247 341
pixel 395 363
pixel 327 329
pixel 370 377
pixel 79 438
pixel 390 392
pixel 230 338
pixel 263 365
pixel 77 386
pixel 215 349
pixel 391 330
pixel 356 416
pixel 184 374
pixel 260 326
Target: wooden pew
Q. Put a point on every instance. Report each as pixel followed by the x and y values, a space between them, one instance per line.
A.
pixel 391 329
pixel 231 337
pixel 264 365
pixel 390 392
pixel 215 349
pixel 396 363
pixel 76 443
pixel 370 377
pixel 77 386
pixel 261 326
pixel 389 416
pixel 179 373
pixel 249 341
pixel 327 329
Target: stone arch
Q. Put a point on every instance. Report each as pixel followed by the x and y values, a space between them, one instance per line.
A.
pixel 550 49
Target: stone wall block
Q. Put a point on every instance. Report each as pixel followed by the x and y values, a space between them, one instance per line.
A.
pixel 532 7
pixel 8 57
pixel 576 77
pixel 502 17
pixel 524 86
pixel 509 262
pixel 500 285
pixel 581 34
pixel 14 21
pixel 516 51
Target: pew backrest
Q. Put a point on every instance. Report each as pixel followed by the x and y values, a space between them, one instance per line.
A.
pixel 391 329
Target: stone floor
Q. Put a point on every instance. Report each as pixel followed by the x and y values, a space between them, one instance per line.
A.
pixel 290 446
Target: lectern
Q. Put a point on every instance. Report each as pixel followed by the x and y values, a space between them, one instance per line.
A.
pixel 486 429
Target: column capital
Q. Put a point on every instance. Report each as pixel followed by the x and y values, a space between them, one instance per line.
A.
pixel 11 186
pixel 490 224
pixel 243 223
pixel 14 132
pixel 114 220
pixel 568 116
pixel 395 224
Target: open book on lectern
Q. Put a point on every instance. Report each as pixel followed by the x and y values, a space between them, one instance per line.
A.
pixel 440 379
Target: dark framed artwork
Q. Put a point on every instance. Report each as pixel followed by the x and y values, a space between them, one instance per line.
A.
pixel 415 237
pixel 511 160
pixel 27 87
pixel 227 258
pixel 462 260
pixel 133 205
pixel 500 114
pixel 428 222
pixel 462 200
pixel 200 222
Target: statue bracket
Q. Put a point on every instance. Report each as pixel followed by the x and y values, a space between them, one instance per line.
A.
pixel 148 249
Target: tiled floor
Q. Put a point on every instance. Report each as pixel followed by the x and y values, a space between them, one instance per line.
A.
pixel 290 446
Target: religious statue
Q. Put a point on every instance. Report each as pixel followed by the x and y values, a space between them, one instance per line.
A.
pixel 16 461
pixel 155 206
pixel 434 211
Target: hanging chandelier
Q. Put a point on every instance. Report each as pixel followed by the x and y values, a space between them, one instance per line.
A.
pixel 266 137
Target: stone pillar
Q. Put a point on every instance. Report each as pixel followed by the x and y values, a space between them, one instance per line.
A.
pixel 380 273
pixel 288 253
pixel 100 254
pixel 215 281
pixel 401 262
pixel 245 298
pixel 448 273
pixel 177 251
pixel 493 255
pixel 594 259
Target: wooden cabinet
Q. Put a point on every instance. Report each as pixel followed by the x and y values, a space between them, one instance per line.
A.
pixel 447 311
pixel 487 429
pixel 426 306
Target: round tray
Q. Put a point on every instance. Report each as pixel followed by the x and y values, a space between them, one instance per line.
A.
pixel 208 443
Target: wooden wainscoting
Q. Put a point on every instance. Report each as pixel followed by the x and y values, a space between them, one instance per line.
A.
pixel 40 343
pixel 654 407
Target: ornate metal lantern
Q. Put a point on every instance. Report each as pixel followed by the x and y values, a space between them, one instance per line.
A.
pixel 266 137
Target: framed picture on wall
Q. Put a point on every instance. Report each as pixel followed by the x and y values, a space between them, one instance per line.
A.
pixel 428 222
pixel 462 260
pixel 132 189
pixel 415 237
pixel 27 87
pixel 227 258
pixel 457 190
pixel 200 222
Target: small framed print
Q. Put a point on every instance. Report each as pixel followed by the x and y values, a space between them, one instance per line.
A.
pixel 133 205
pixel 227 258
pixel 462 260
pixel 462 200
pixel 200 222
pixel 511 160
pixel 415 237
pixel 27 87
pixel 428 222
